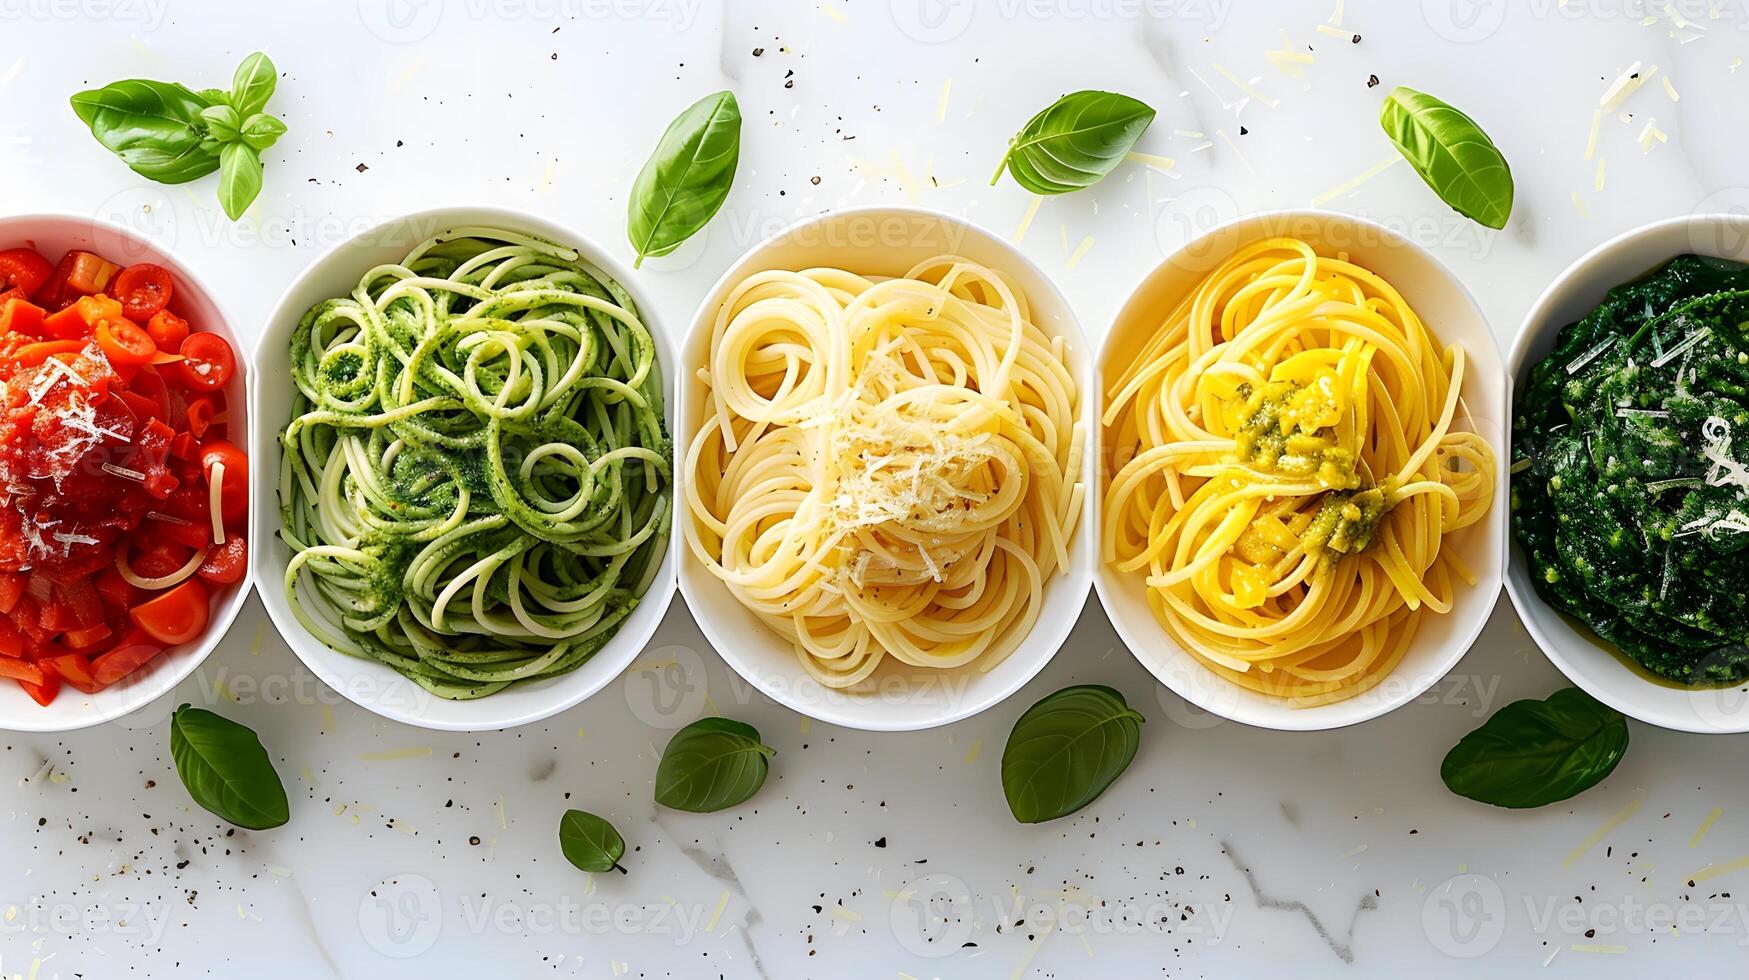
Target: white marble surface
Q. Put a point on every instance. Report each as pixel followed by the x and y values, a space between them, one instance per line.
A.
pixel 1223 851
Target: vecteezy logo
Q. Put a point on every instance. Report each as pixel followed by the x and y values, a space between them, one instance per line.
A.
pixel 933 916
pixel 1186 218
pixel 1726 237
pixel 401 21
pixel 667 688
pixel 1464 915
pixel 1464 21
pixel 932 21
pixel 401 916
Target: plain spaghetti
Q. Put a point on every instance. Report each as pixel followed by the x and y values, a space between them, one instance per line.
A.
pixel 886 468
pixel 1285 463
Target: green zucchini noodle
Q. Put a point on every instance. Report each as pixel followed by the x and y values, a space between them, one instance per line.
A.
pixel 476 477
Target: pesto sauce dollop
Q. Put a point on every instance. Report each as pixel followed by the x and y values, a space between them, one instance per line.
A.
pixel 1630 477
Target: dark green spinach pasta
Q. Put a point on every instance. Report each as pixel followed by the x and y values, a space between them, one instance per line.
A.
pixel 476 476
pixel 1630 485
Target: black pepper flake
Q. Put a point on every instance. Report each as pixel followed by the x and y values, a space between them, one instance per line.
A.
pixel 361 168
pixel 758 51
pixel 1372 81
pixel 881 843
pixel 1243 131
pixel 815 179
pixel 475 841
pixel 790 83
pixel 1354 40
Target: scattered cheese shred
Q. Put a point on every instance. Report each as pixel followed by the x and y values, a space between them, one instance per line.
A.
pixel 1705 826
pixel 1599 181
pixel 1352 184
pixel 1333 31
pixel 1236 151
pixel 1080 251
pixel 941 104
pixel 1589 842
pixel 1624 85
pixel 1715 870
pixel 1245 86
pixel 972 753
pixel 1670 90
pixel 1597 948
pixel 1579 205
pixel 1596 124
pixel 1151 160
pixel 717 913
pixel 1026 219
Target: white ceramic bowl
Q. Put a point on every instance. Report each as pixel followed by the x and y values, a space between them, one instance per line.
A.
pixel 1579 654
pixel 1452 315
pixel 884 242
pixel 368 683
pixel 53 235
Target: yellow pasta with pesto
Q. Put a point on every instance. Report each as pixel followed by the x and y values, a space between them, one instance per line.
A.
pixel 1284 465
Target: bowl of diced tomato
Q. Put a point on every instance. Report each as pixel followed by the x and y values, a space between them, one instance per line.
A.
pixel 124 473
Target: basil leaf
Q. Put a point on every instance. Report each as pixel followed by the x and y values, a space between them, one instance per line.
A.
pixel 1074 142
pixel 223 123
pixel 253 84
pixel 1451 153
pixel 154 127
pixel 687 178
pixel 226 770
pixel 1066 749
pixel 261 131
pixel 712 764
pixel 1532 753
pixel 214 96
pixel 239 178
pixel 589 842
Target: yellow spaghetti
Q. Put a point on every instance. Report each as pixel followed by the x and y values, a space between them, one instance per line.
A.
pixel 1284 462
pixel 886 468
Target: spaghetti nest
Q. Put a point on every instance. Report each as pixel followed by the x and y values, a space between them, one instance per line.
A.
pixel 475 479
pixel 1283 462
pixel 886 468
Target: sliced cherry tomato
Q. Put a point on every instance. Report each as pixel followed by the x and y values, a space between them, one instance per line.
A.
pixel 167 329
pixel 148 383
pixel 176 616
pixel 11 587
pixel 191 533
pixel 23 269
pixel 44 692
pixel 208 362
pixel 11 640
pixel 234 493
pixel 143 289
pixel 90 272
pixel 21 316
pixel 200 414
pixel 134 651
pixel 160 558
pixel 81 599
pixel 75 669
pixel 225 564
pixel 125 344
pixel 31 355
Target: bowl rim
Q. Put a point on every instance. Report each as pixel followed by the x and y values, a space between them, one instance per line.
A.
pixel 165 678
pixel 627 643
pixel 1538 322
pixel 1489 576
pixel 1043 641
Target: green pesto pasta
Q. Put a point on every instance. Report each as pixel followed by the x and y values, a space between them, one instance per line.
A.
pixel 475 482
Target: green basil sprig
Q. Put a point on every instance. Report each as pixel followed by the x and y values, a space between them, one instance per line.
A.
pixel 1074 142
pixel 167 133
pixel 589 842
pixel 1451 153
pixel 1532 753
pixel 226 770
pixel 712 764
pixel 687 178
pixel 1066 749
